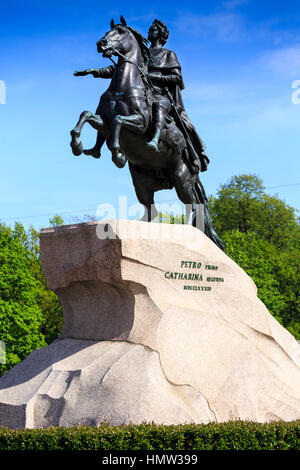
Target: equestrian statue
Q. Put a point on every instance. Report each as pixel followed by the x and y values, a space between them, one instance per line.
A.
pixel 142 119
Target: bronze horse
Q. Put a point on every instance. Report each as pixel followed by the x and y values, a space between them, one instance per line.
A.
pixel 124 121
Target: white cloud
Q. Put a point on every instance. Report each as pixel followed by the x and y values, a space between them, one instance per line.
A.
pixel 284 62
pixel 224 26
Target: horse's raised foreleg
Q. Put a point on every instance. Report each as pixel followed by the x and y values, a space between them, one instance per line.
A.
pixel 76 144
pixel 97 123
pixel 133 121
pixel 86 116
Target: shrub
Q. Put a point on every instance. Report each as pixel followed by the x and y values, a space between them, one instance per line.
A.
pixel 238 435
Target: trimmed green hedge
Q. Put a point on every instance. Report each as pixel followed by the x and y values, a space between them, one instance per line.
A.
pixel 226 436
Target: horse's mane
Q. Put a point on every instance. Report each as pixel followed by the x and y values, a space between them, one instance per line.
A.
pixel 142 42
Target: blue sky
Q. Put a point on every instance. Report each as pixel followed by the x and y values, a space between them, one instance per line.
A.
pixel 239 59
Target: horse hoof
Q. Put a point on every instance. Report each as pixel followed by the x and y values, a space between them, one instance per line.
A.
pixel 77 147
pixel 92 152
pixel 119 160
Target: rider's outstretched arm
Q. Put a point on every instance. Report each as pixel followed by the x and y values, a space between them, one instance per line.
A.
pixel 105 72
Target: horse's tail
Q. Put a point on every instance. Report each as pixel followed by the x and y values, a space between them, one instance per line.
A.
pixel 208 228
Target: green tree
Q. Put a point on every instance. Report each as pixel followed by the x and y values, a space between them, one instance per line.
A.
pixel 169 218
pixel 30 313
pixel 56 221
pixel 286 268
pixel 257 257
pixel 48 300
pixel 262 235
pixel 242 204
pixel 21 317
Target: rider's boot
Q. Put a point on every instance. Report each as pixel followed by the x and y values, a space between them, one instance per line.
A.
pixel 159 121
pixel 153 144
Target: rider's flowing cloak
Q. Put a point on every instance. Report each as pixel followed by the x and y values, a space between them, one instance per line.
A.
pixel 166 62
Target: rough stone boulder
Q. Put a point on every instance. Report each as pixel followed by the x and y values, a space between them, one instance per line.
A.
pixel 159 325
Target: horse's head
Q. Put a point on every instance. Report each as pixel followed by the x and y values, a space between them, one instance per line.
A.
pixel 119 39
pixel 122 38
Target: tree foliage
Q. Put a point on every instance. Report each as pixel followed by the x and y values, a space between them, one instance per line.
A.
pixel 275 276
pixel 20 314
pixel 56 221
pixel 30 314
pixel 261 233
pixel 242 204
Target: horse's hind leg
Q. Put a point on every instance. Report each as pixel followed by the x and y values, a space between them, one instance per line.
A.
pixel 145 182
pixel 184 183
